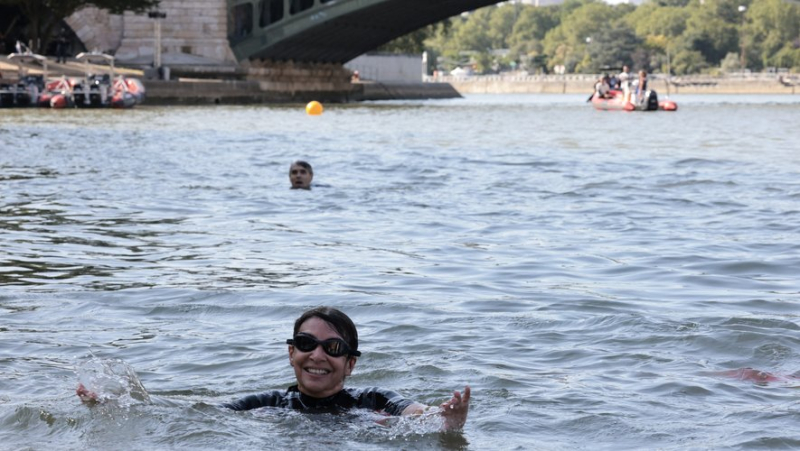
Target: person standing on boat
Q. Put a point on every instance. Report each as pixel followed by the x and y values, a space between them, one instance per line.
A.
pixel 625 83
pixel 61 47
pixel 641 87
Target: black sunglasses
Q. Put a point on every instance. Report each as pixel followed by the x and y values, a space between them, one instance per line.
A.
pixel 334 347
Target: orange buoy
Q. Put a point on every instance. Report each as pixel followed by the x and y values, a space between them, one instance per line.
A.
pixel 314 108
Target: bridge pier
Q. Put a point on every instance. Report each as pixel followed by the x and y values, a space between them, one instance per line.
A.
pixel 295 78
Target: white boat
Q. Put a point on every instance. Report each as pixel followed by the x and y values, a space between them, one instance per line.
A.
pixel 26 89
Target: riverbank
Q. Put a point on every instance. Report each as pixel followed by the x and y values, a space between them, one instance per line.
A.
pixel 293 83
pixel 579 84
pixel 254 84
pixel 187 91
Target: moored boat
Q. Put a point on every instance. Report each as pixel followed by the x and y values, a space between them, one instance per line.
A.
pixel 32 87
pixel 105 90
pixel 57 94
pixel 24 91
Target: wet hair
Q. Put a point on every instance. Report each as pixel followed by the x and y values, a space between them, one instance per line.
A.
pixel 340 322
pixel 303 164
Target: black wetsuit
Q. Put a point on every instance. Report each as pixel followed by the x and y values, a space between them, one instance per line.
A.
pixel 371 398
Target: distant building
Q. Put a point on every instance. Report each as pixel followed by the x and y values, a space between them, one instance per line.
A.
pixel 388 68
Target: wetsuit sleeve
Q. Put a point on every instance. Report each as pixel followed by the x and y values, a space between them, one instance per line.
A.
pixel 268 399
pixel 375 398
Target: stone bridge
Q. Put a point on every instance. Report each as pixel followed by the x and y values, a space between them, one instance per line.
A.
pixel 330 31
pixel 227 32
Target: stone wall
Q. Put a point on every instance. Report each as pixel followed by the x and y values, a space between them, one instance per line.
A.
pixel 299 77
pixel 193 33
pixel 97 29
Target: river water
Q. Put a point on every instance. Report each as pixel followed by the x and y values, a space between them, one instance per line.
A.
pixel 591 275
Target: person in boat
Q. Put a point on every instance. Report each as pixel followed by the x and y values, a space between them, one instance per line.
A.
pixel 300 175
pixel 601 87
pixel 641 86
pixel 625 83
pixel 613 82
pixel 323 353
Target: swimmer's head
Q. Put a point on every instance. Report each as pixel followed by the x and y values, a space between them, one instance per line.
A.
pixel 300 175
pixel 337 319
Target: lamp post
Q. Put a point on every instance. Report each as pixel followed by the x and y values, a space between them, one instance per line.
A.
pixel 742 60
pixel 157 15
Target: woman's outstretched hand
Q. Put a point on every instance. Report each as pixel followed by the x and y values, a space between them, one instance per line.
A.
pixel 87 396
pixel 455 411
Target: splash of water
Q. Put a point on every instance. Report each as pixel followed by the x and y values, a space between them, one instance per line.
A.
pixel 411 425
pixel 111 380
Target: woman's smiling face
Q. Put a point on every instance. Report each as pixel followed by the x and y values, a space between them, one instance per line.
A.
pixel 318 374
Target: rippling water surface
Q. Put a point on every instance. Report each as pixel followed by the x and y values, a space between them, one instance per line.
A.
pixel 592 275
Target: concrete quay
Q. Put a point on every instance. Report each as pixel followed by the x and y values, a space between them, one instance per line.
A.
pixel 582 84
pixel 248 92
pixel 254 83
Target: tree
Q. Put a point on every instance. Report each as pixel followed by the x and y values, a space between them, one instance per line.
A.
pixel 414 42
pixel 45 15
pixel 731 63
pixel 533 24
pixel 711 31
pixel 650 19
pixel 613 48
pixel 681 36
pixel 567 43
pixel 771 28
pixel 689 62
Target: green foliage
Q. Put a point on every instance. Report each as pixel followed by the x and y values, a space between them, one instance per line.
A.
pixel 650 19
pixel 567 43
pixel 731 63
pixel 689 36
pixel 612 47
pixel 413 42
pixel 711 32
pixel 689 62
pixel 788 56
pixel 771 27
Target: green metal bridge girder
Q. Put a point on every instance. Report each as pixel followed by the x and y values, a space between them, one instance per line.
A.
pixel 329 31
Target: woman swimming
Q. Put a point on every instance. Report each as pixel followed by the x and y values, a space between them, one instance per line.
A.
pixel 323 351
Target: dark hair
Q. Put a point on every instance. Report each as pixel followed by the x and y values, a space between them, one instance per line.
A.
pixel 303 164
pixel 340 322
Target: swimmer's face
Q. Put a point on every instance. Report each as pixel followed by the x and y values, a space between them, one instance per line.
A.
pixel 300 177
pixel 318 374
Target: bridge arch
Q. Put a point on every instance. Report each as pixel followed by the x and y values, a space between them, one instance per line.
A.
pixel 330 31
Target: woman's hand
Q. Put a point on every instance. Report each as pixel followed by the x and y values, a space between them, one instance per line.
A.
pixel 455 411
pixel 87 396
